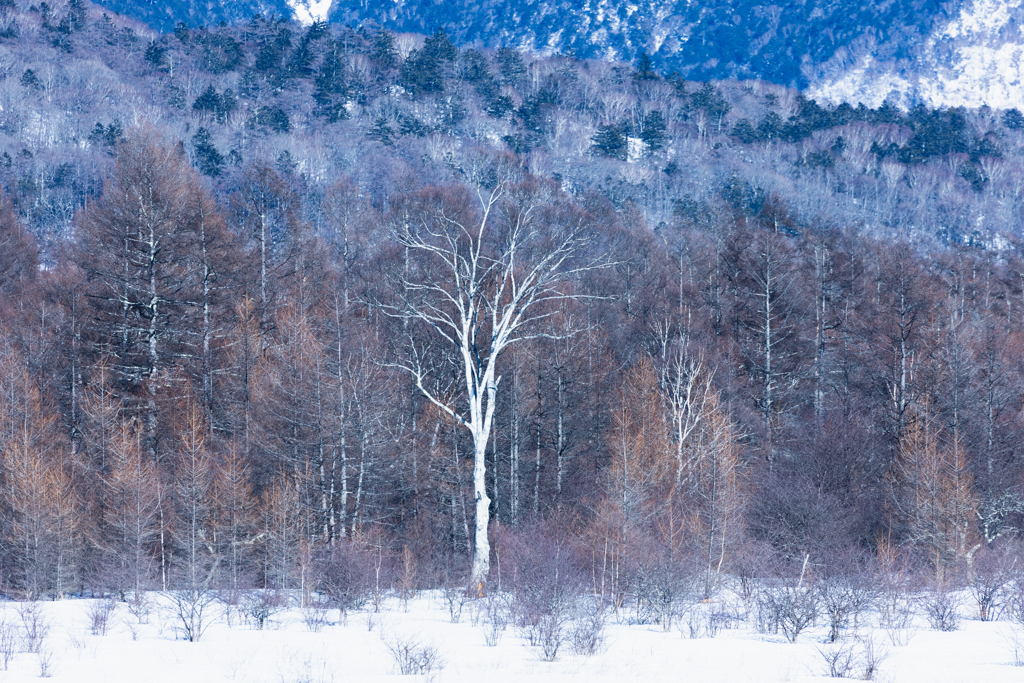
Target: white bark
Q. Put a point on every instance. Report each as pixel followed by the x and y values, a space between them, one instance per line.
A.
pixel 484 294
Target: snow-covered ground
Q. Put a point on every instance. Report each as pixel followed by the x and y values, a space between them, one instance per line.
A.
pixel 287 651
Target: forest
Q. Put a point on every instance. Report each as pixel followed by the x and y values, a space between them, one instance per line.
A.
pixel 315 308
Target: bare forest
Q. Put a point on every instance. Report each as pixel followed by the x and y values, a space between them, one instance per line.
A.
pixel 325 309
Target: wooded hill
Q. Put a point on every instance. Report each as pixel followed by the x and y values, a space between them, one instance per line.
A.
pixel 255 284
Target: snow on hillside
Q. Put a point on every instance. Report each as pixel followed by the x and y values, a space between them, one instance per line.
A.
pixel 973 60
pixel 310 11
pixel 287 651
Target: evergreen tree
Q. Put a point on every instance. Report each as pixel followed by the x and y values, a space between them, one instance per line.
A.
pixel 208 160
pixel 653 134
pixel 610 141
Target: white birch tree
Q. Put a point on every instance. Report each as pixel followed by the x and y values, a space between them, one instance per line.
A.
pixel 479 280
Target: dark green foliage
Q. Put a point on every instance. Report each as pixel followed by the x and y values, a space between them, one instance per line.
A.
pixel 106 135
pixel 473 67
pixel 821 159
pixel 268 59
pixel 653 134
pixel 384 53
pixel 382 132
pixel 986 146
pixel 10 30
pixel 77 14
pixel 1013 119
pixel 744 131
pixel 935 134
pixel 510 64
pixel 332 89
pixel 218 105
pixel 30 80
pixel 421 73
pixel 452 112
pixel 330 77
pixel 181 32
pixel 285 164
pixel 692 212
pixel 300 62
pixel 741 196
pixel 208 160
pixel 645 69
pixel 438 47
pixel 63 175
pixel 500 107
pixel 771 127
pixel 610 141
pixel 410 125
pixel 421 76
pixel 317 31
pixel 156 55
pixel 208 101
pixel 273 118
pixel 972 175
pixel 220 51
pixel 516 143
pixel 710 100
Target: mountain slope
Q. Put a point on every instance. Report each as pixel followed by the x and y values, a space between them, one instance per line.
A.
pixel 973 59
pixel 718 39
pixel 163 15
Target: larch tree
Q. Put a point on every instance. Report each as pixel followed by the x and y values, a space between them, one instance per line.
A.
pixel 933 492
pixel 39 514
pixel 147 293
pixel 477 281
pixel 132 531
pixel 715 494
pixel 266 210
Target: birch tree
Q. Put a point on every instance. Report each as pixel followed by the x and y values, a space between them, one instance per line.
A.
pixel 479 279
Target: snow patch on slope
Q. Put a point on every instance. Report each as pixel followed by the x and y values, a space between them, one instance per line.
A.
pixel 973 60
pixel 310 11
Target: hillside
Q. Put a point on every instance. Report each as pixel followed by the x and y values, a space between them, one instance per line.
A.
pixel 333 100
pixel 709 40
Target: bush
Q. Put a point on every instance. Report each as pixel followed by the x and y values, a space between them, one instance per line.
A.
pixel 258 606
pixel 844 596
pixel 548 578
pixel 8 641
pixel 496 617
pixel 790 606
pixel 992 572
pixel 345 574
pixel 99 615
pixel 587 634
pixel 941 609
pixel 195 609
pixel 36 626
pixel 662 583
pixel 413 658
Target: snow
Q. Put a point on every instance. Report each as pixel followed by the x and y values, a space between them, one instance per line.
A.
pixel 286 651
pixel 973 60
pixel 309 11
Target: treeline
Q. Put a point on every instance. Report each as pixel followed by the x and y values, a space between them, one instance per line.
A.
pixel 204 392
pixel 322 101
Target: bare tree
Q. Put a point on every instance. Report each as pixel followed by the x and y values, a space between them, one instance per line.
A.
pixel 479 281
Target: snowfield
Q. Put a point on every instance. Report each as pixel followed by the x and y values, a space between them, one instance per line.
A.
pixel 288 651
